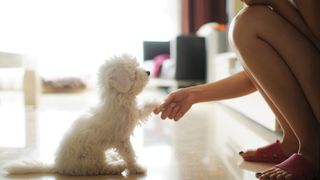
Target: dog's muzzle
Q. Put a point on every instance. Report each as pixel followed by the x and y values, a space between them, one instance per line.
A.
pixel 148 72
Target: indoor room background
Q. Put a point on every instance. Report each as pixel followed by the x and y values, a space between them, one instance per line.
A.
pixel 73 37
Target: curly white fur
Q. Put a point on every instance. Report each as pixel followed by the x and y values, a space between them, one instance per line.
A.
pixel 108 126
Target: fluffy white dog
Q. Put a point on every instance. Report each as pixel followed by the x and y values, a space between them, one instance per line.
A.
pixel 108 126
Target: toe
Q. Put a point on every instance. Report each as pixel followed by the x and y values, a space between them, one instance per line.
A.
pixel 281 175
pixel 274 175
pixel 268 173
pixel 288 177
pixel 258 174
pixel 249 153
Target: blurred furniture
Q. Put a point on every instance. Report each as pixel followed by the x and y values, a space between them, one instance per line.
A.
pixel 31 82
pixel 187 64
pixel 215 36
pixel 189 52
pixel 152 49
pixel 63 85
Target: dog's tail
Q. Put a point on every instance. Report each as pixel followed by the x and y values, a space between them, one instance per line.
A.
pixel 30 167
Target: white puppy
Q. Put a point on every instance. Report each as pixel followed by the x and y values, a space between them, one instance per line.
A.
pixel 108 126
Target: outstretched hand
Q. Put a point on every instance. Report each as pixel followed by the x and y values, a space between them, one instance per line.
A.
pixel 175 105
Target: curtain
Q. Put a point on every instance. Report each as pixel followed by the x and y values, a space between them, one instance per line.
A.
pixel 195 13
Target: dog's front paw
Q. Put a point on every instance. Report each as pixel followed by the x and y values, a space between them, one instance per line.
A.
pixel 150 106
pixel 137 170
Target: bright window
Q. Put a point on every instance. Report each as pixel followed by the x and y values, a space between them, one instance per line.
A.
pixel 75 36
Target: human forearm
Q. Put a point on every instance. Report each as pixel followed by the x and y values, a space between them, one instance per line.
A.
pixel 234 86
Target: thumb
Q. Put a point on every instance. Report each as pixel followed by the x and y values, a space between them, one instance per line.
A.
pixel 166 103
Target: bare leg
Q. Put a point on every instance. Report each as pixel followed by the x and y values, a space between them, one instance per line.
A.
pixel 286 66
pixel 289 142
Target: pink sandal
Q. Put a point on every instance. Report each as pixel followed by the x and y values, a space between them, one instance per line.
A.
pixel 299 167
pixel 271 153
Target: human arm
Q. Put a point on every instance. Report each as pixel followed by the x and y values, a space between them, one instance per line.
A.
pixel 180 101
pixel 233 86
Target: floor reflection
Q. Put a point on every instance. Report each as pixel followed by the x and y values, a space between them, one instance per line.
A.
pixel 12 122
pixel 203 145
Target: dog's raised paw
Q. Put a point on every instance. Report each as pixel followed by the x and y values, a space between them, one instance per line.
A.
pixel 151 105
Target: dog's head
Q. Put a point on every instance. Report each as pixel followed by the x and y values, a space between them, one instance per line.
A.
pixel 122 74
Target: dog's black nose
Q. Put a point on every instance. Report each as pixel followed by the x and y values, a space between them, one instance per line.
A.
pixel 148 72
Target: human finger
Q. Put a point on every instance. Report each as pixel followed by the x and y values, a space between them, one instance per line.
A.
pixel 165 104
pixel 167 111
pixel 181 112
pixel 157 110
pixel 174 111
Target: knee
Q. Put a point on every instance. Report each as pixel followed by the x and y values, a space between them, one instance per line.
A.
pixel 246 24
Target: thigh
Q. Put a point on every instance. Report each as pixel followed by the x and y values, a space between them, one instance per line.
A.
pixel 296 51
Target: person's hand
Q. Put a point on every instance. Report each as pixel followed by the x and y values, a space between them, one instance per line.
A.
pixel 176 105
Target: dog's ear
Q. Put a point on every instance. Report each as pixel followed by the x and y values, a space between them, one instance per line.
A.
pixel 120 80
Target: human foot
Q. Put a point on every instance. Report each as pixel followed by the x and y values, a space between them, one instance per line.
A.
pixel 296 167
pixel 272 153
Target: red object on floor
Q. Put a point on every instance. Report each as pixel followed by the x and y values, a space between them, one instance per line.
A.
pixel 299 167
pixel 271 153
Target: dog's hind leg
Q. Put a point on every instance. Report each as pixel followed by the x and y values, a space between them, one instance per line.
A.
pixel 114 168
pixel 103 165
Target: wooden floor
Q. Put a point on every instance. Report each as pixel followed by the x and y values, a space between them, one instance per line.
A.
pixel 203 145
